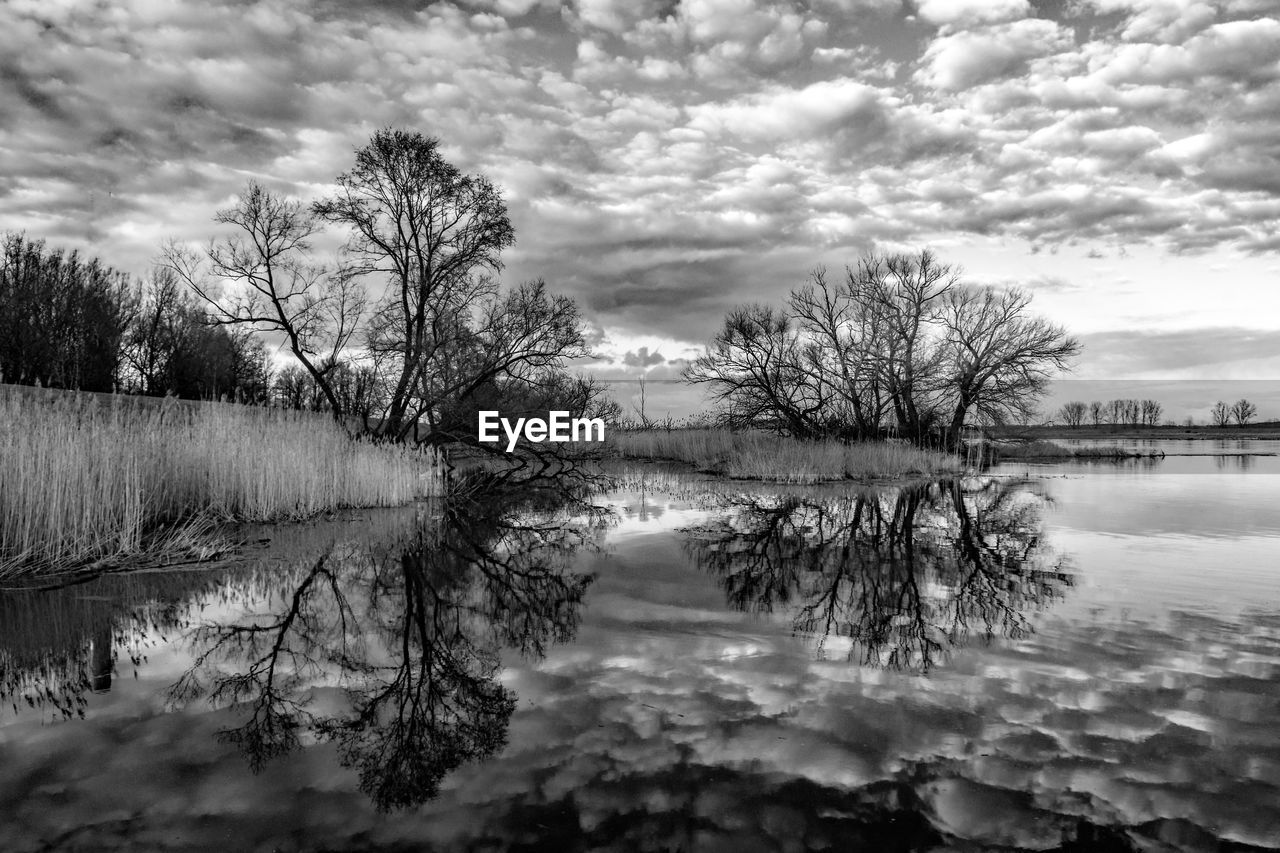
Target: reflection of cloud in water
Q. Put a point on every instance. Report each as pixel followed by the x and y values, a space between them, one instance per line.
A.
pixel 673 722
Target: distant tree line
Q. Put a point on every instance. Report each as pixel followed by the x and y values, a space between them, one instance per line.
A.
pixel 67 322
pixel 898 346
pixel 1139 413
pixel 1116 412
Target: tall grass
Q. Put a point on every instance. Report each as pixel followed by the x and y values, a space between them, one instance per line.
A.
pixel 759 456
pixel 83 479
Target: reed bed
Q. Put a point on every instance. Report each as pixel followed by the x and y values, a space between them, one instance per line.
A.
pixel 760 456
pixel 84 479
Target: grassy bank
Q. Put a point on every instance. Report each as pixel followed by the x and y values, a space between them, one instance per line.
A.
pixel 86 480
pixel 759 456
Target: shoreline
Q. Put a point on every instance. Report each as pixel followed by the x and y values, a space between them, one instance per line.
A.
pixel 1107 433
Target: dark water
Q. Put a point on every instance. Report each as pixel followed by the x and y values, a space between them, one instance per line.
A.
pixel 1079 657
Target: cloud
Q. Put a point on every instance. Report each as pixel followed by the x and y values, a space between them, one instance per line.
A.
pixel 781 113
pixel 507 8
pixel 964 59
pixel 961 14
pixel 643 358
pixel 616 16
pixel 1168 21
pixel 1235 50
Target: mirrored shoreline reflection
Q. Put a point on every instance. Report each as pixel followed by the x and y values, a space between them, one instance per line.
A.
pixel 866 666
pixel 902 574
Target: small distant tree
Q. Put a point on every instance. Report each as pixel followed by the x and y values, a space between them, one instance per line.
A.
pixel 295 389
pixel 1151 411
pixel 1073 414
pixel 1243 411
pixel 1097 412
pixel 1220 414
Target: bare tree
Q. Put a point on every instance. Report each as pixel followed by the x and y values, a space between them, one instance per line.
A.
pixel 1243 411
pixel 1002 358
pixel 155 334
pixel 906 295
pixel 1151 411
pixel 62 318
pixel 1073 413
pixel 1220 414
pixel 754 367
pixel 898 341
pixel 516 342
pixel 275 286
pixel 1097 413
pixel 845 345
pixel 432 230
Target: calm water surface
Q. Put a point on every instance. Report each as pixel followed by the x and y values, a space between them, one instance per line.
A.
pixel 1069 657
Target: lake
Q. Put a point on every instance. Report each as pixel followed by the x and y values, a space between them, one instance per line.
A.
pixel 1080 656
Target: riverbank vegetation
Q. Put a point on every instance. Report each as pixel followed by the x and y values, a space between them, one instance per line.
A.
pixel 899 346
pixel 88 481
pixel 759 455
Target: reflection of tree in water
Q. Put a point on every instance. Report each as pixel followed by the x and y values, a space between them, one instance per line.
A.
pixel 1240 462
pixel 392 650
pixel 58 644
pixel 62 638
pixel 904 574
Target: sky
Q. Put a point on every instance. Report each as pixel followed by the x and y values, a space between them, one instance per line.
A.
pixel 665 160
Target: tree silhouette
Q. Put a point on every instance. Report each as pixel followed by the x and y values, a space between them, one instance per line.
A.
pixel 904 575
pixel 411 630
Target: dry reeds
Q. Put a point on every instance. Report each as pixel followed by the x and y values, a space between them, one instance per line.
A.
pixel 83 478
pixel 759 456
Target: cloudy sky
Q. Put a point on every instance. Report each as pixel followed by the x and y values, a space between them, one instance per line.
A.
pixel 666 159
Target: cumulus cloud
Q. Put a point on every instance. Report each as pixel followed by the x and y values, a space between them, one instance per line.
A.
pixel 643 358
pixel 507 8
pixel 779 113
pixel 615 16
pixel 964 59
pixel 1168 21
pixel 966 13
pixel 1246 50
